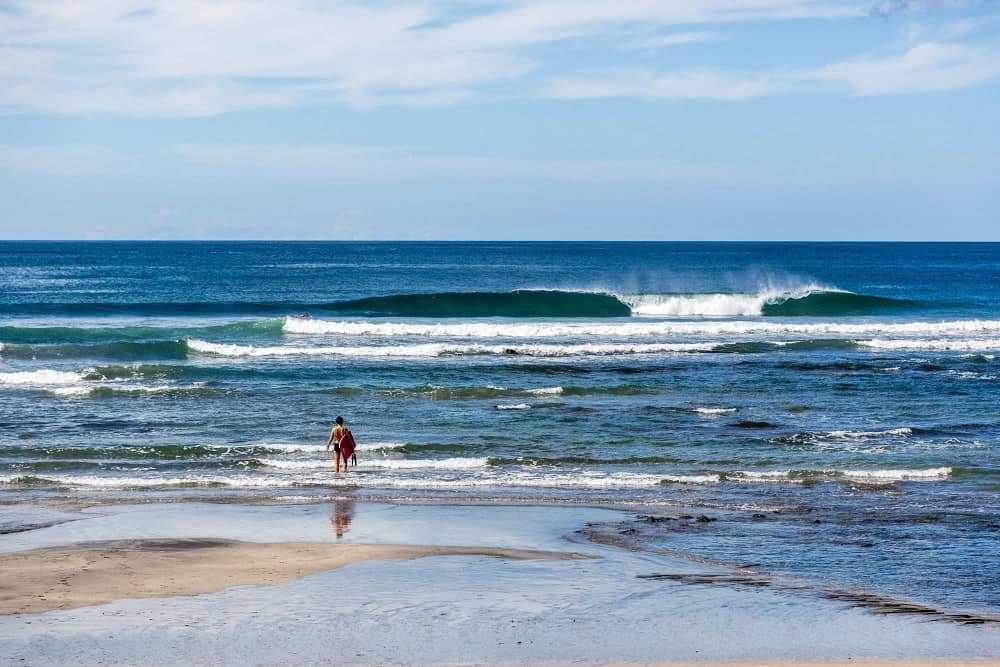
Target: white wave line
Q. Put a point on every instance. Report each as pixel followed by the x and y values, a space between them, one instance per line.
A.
pixel 439 349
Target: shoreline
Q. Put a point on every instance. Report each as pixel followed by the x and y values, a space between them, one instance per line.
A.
pixel 228 583
pixel 846 662
pixel 879 603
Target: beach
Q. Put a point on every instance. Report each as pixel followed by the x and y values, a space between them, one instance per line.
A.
pixel 274 584
pixel 567 453
pixel 483 333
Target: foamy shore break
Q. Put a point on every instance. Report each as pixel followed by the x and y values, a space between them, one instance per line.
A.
pixel 347 582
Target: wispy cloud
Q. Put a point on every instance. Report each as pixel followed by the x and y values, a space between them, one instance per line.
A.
pixel 649 42
pixel 682 85
pixel 889 8
pixel 193 57
pixel 926 67
pixel 196 58
pixel 921 68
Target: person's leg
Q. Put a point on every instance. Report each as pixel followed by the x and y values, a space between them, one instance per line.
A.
pixel 337 455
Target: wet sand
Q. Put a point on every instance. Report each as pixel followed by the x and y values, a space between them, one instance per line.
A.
pixel 78 576
pixel 847 662
pixel 237 584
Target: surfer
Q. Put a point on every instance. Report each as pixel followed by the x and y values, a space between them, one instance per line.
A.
pixel 336 435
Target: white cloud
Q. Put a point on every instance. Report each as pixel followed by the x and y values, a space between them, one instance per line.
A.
pixel 681 85
pixel 923 68
pixel 889 8
pixel 195 57
pixel 201 57
pixel 671 39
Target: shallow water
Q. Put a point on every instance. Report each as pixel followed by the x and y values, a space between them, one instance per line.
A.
pixel 613 606
pixel 854 385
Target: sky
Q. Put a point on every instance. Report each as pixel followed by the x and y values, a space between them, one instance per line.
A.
pixel 500 119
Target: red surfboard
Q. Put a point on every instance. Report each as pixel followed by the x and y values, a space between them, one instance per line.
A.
pixel 347 445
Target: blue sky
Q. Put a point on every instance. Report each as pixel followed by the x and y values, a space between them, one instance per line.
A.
pixel 500 119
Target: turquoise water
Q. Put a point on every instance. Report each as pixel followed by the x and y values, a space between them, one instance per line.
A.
pixel 851 385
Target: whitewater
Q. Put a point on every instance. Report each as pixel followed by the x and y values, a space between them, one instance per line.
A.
pixel 826 405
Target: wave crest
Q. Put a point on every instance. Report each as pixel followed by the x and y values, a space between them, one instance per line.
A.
pixel 809 300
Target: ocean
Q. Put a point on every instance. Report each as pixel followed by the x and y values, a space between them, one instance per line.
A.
pixel 832 410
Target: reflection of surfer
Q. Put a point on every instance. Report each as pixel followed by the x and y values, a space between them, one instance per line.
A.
pixel 343 512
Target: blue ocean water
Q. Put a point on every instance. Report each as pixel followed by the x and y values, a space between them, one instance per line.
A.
pixel 834 406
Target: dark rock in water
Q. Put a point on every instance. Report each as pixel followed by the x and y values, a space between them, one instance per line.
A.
pixel 509 350
pixel 758 515
pixel 656 519
pixel 627 531
pixel 705 519
pixel 746 423
pixel 685 516
pixel 817 521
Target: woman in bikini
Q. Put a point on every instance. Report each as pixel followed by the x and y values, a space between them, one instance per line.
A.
pixel 335 435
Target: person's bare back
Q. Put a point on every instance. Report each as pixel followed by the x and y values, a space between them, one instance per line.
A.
pixel 335 435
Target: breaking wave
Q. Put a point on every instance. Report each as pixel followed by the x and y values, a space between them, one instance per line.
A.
pixel 875 475
pixel 184 452
pixel 389 464
pixel 810 300
pixel 581 349
pixel 807 300
pixel 40 378
pixel 443 349
pixel 636 328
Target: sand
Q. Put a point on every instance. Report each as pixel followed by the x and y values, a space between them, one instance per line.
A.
pixel 510 601
pixel 88 574
pixel 846 662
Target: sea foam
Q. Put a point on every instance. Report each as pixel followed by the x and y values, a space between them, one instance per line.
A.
pixel 875 475
pixel 935 344
pixel 43 377
pixel 715 305
pixel 443 349
pixel 634 328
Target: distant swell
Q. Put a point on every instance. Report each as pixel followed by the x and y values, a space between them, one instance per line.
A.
pixel 809 300
pixel 519 303
pixel 120 351
pixel 82 336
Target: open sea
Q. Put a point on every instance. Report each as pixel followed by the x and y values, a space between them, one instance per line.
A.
pixel 835 408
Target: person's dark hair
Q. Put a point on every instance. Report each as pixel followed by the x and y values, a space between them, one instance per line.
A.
pixel 340 420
